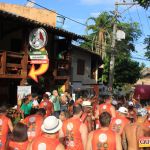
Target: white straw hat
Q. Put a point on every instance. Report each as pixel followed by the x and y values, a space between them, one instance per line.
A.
pixel 123 110
pixel 51 125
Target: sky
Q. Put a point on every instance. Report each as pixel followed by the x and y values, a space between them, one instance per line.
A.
pixel 80 10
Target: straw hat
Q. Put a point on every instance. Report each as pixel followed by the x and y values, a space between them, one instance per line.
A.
pixel 51 125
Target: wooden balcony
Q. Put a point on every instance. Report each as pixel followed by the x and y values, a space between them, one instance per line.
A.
pixel 13 65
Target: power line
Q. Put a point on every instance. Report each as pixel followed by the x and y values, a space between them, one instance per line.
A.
pixel 140 58
pixel 140 20
pixel 147 19
pixel 57 13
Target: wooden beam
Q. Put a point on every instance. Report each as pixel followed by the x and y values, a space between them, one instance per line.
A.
pixel 61 77
pixel 3 63
pixel 14 65
pixel 12 76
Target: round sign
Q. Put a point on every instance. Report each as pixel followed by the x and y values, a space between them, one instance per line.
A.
pixel 102 137
pixel 118 121
pixel 104 107
pixel 38 38
pixel 32 119
pixel 69 126
pixel 1 122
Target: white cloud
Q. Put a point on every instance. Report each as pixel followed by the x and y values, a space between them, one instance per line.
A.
pixel 94 2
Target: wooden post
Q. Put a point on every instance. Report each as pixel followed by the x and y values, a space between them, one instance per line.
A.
pixel 3 63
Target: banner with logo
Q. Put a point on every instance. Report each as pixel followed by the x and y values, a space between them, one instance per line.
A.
pixel 38 54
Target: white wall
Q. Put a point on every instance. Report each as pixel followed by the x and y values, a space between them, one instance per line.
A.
pixel 86 78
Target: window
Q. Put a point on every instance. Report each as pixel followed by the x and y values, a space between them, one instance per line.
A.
pixel 80 66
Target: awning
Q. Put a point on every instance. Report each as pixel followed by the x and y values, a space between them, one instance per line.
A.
pixel 142 92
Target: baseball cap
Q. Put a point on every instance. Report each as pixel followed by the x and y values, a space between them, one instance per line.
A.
pixel 142 112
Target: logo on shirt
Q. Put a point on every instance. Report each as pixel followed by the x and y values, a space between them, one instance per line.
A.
pixel 103 138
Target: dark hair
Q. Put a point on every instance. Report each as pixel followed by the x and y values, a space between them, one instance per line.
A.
pixel 77 109
pixel 19 134
pixel 66 113
pixel 105 119
pixel 41 111
pixel 45 96
pixel 3 109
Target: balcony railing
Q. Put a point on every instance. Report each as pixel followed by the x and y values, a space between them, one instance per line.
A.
pixel 13 64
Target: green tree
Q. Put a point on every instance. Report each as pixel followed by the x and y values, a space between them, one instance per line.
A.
pixel 144 3
pixel 102 29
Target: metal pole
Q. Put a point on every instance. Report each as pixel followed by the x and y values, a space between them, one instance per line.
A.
pixel 112 59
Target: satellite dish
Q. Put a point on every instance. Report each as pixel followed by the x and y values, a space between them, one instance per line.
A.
pixel 30 3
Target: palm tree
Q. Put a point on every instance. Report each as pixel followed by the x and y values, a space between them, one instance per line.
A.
pixel 100 32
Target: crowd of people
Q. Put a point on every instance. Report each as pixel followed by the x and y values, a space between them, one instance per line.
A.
pixel 59 123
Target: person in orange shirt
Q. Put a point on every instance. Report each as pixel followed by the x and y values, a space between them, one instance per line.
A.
pixel 104 107
pixel 5 126
pixel 117 124
pixel 47 105
pixel 87 115
pixel 74 131
pixel 64 115
pixel 49 138
pixel 19 138
pixel 104 138
pixel 107 107
pixel 34 123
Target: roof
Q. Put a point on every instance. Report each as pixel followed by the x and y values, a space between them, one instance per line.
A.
pixel 58 31
pixel 145 72
pixel 86 50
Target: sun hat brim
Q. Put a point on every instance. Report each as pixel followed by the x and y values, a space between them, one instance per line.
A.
pixel 87 106
pixel 53 130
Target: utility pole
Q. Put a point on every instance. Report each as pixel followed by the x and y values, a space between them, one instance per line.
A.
pixel 112 59
pixel 113 49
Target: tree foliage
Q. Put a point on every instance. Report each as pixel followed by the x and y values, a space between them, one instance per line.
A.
pixel 126 70
pixel 144 3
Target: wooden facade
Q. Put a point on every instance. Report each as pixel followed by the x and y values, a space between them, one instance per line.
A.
pixel 14 48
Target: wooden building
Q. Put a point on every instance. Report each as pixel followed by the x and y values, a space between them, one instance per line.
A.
pixel 14 48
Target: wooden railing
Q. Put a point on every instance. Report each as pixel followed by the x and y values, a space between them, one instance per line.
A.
pixel 13 65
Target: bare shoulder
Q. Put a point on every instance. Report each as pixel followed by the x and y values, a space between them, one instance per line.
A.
pixel 60 147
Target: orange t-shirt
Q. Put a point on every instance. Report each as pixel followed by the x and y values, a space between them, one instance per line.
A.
pixel 105 108
pixel 34 122
pixel 48 106
pixel 4 128
pixel 45 143
pixel 71 130
pixel 104 140
pixel 12 145
pixel 117 124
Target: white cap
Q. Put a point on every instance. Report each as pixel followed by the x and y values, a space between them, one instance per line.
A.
pixel 123 110
pixel 130 103
pixel 51 125
pixel 114 102
pixel 48 93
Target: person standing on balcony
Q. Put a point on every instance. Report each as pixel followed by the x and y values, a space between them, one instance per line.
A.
pixel 56 103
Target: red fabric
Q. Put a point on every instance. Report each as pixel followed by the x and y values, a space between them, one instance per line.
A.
pixel 4 128
pixel 34 129
pixel 71 130
pixel 117 124
pixel 104 139
pixel 43 142
pixel 142 92
pixel 105 108
pixel 17 145
pixel 48 106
